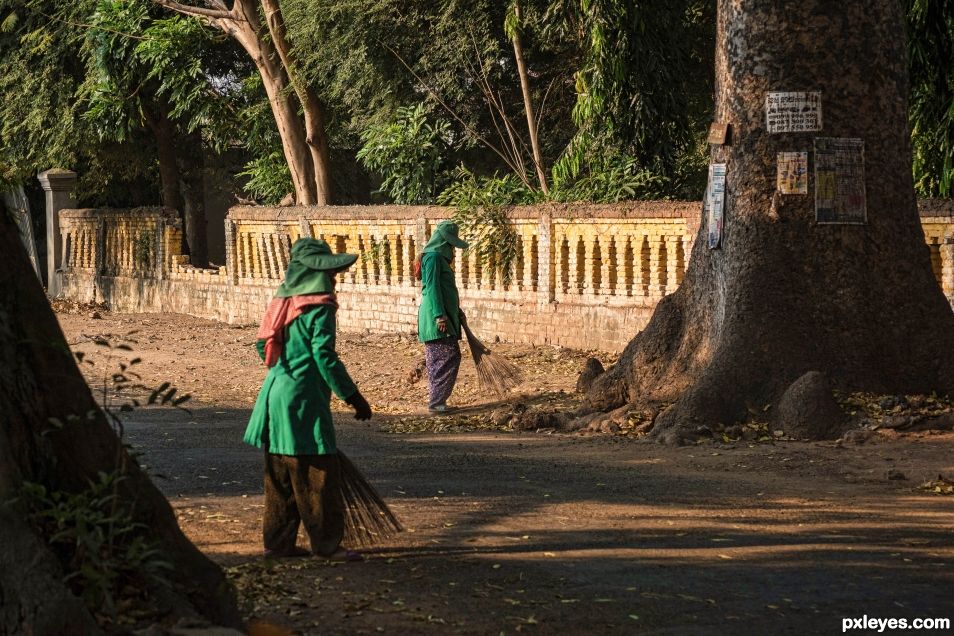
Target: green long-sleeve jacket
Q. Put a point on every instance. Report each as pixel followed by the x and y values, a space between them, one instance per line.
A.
pixel 439 297
pixel 295 401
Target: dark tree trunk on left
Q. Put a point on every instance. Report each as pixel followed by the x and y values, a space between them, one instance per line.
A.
pixel 39 380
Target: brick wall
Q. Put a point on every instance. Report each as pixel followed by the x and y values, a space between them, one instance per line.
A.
pixel 587 276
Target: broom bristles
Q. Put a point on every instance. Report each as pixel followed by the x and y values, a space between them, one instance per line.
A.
pixel 494 372
pixel 368 519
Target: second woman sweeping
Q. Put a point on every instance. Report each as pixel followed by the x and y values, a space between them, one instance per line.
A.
pixel 439 316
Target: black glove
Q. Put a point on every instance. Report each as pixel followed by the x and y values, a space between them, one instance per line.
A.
pixel 362 410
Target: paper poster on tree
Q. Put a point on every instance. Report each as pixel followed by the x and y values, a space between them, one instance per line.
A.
pixel 793 112
pixel 714 203
pixel 840 181
pixel 792 175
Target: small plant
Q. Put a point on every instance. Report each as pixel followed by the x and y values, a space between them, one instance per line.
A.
pixel 102 549
pixel 143 250
pixel 378 253
pixel 105 554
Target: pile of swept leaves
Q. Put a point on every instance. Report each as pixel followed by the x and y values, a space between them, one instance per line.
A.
pixel 67 306
pixel 940 486
pixel 899 412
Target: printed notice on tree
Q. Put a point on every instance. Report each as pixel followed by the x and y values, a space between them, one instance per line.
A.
pixel 793 112
pixel 792 176
pixel 714 203
pixel 840 181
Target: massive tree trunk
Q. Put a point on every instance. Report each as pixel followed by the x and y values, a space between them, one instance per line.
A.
pixel 304 139
pixel 786 295
pixel 40 384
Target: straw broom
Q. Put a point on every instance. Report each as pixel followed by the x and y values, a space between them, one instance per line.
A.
pixel 368 520
pixel 494 372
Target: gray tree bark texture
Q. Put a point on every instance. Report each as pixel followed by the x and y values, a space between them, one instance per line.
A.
pixel 39 380
pixel 785 295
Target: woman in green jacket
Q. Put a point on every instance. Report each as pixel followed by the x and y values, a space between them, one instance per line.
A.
pixel 439 316
pixel 292 415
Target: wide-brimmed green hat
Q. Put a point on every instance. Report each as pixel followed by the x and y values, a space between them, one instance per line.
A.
pixel 311 267
pixel 448 233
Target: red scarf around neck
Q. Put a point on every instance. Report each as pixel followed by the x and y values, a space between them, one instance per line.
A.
pixel 280 313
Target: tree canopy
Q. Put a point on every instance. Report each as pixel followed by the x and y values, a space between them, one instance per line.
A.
pixel 620 94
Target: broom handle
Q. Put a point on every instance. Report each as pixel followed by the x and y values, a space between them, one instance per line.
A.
pixel 472 339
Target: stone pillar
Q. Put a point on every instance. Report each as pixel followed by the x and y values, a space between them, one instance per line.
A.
pixel 947 265
pixel 546 272
pixel 59 185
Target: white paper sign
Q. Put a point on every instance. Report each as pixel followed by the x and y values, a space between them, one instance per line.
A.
pixel 715 202
pixel 793 112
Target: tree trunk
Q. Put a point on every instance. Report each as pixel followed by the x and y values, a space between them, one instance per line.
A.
pixel 246 29
pixel 528 102
pixel 313 108
pixel 39 381
pixel 164 132
pixel 192 187
pixel 785 295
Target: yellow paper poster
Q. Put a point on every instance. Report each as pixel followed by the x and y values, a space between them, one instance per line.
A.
pixel 792 176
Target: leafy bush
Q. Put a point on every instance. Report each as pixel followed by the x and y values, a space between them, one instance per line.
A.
pixel 481 207
pixel 410 153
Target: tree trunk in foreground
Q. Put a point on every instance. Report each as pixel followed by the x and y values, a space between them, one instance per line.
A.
pixel 39 380
pixel 785 295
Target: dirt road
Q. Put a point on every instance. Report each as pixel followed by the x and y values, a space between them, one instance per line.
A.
pixel 544 533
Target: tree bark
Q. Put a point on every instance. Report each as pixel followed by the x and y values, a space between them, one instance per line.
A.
pixel 312 106
pixel 785 295
pixel 163 130
pixel 528 102
pixel 39 380
pixel 192 187
pixel 301 140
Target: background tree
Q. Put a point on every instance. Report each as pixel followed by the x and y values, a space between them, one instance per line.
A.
pixel 170 78
pixel 56 438
pixel 304 139
pixel 785 295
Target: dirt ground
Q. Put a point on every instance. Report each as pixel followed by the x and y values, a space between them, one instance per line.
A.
pixel 540 532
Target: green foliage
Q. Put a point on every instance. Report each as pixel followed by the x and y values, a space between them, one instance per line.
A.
pixel 481 206
pixel 143 250
pixel 269 178
pixel 267 173
pixel 40 125
pixel 931 51
pixel 411 153
pixel 101 548
pixel 645 82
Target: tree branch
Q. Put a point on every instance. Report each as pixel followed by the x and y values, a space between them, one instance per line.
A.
pixel 219 13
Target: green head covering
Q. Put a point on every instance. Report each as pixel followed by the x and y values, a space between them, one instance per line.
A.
pixel 311 268
pixel 445 235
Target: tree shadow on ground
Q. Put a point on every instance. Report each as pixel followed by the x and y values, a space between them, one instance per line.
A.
pixel 576 521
